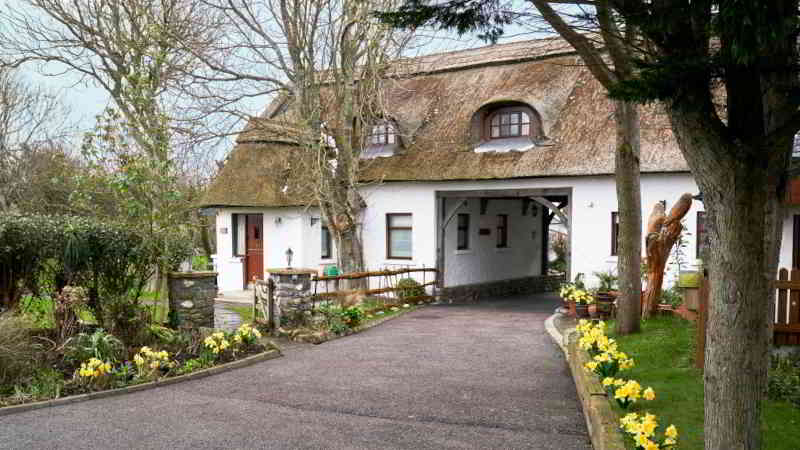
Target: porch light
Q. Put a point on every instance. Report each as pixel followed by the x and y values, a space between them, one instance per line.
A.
pixel 289 254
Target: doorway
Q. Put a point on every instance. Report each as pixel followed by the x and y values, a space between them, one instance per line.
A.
pixel 254 248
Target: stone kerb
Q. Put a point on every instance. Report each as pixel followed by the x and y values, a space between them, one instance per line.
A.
pixel 191 297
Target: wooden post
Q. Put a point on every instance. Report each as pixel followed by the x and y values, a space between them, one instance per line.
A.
pixel 274 313
pixel 702 321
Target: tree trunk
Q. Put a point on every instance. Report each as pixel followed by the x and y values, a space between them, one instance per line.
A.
pixel 740 272
pixel 629 201
pixel 743 215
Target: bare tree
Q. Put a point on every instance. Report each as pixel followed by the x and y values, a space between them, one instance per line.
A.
pixel 135 50
pixel 138 52
pixel 32 124
pixel 328 60
pixel 607 48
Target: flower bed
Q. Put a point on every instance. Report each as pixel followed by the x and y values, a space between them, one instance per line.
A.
pixel 94 361
pixel 663 352
pixel 641 427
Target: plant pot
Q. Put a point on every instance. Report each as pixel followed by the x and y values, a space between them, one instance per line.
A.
pixel 582 310
pixel 571 308
pixel 604 302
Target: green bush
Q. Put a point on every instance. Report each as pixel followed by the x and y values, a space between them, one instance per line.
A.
pixel 408 288
pixel 39 310
pixel 99 344
pixel 784 379
pixel 43 254
pixel 672 297
pixel 352 316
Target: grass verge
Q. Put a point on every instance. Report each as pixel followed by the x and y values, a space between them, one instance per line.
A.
pixel 663 352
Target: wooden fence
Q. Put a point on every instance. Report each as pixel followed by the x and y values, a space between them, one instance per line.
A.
pixel 786 321
pixel 787 308
pixel 381 286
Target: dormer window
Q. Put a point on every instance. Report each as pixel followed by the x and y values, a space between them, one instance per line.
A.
pixel 382 140
pixel 509 123
pixel 383 134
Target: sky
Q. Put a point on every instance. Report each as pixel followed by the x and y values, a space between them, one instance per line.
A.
pixel 85 100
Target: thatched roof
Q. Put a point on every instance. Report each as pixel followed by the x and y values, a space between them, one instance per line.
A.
pixel 433 105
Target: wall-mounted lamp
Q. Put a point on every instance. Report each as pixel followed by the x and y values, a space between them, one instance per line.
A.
pixel 289 254
pixel 278 220
pixel 314 220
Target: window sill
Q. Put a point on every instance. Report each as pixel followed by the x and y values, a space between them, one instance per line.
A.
pixel 466 251
pixel 400 262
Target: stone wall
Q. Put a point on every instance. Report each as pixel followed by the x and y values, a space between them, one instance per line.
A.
pixel 502 288
pixel 191 296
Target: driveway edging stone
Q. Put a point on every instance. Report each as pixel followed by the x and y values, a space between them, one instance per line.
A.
pixel 601 421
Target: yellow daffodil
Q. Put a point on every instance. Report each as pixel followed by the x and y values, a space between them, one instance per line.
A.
pixel 671 432
pixel 649 394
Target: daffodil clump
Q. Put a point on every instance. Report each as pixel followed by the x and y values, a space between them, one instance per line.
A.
pixel 609 362
pixel 217 342
pixel 566 290
pixel 150 363
pixel 629 392
pixel 94 373
pixel 580 296
pixel 642 428
pixel 593 338
pixel 246 335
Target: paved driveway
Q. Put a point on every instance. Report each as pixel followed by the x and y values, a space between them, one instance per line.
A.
pixel 462 377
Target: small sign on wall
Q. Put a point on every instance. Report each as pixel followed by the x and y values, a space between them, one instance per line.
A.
pixel 484 231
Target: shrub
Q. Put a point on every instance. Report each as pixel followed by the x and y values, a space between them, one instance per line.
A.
pixel 45 253
pixel 408 288
pixel 784 379
pixel 352 316
pixel 99 345
pixel 38 309
pixel 672 297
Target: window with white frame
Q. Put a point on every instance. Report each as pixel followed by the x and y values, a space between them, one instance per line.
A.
pixel 383 133
pixel 398 236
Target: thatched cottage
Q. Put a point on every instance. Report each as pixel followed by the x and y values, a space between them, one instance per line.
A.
pixel 482 150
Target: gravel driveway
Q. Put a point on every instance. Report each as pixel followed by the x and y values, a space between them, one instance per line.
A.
pixel 479 376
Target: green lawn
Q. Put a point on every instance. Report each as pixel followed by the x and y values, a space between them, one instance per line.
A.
pixel 663 354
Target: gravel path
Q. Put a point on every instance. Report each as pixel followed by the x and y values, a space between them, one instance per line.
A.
pixel 480 376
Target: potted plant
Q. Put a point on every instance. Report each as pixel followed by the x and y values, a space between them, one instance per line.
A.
pixel 582 299
pixel 566 293
pixel 606 293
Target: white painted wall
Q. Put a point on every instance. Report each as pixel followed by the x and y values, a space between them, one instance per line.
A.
pixel 483 261
pixel 592 201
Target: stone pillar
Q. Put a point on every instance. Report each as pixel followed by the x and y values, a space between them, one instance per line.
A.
pixel 191 297
pixel 292 287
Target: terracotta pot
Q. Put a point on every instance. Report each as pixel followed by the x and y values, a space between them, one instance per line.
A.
pixel 582 310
